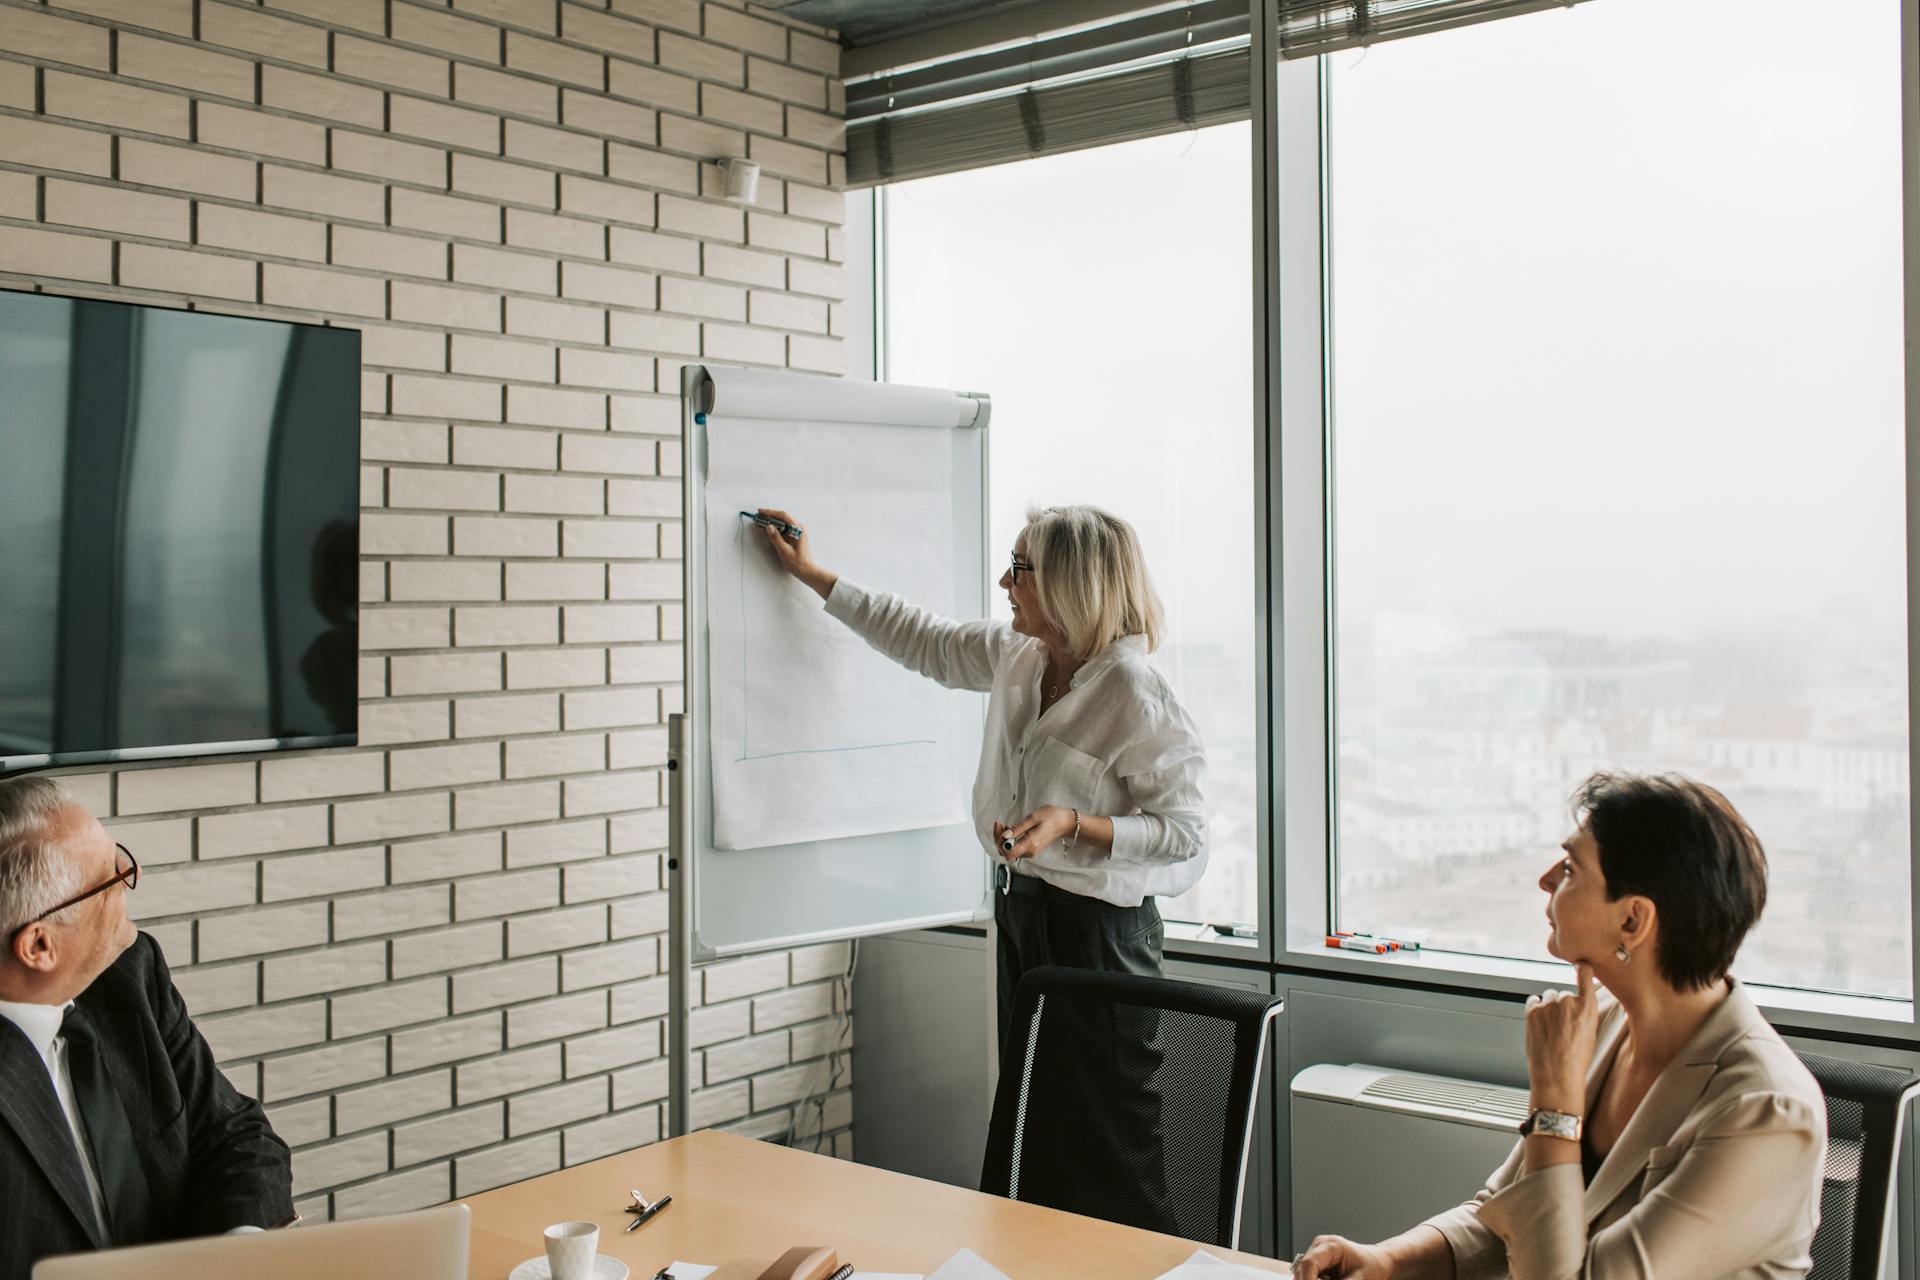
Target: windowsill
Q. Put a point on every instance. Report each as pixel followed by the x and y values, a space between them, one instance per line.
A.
pixel 1187 938
pixel 1788 1007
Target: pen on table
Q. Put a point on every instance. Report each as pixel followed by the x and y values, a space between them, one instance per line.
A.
pixel 791 531
pixel 647 1215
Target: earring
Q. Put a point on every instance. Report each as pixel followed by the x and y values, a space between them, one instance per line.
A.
pixel 1621 954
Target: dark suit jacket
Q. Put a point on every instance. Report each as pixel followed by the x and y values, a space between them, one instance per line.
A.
pixel 211 1160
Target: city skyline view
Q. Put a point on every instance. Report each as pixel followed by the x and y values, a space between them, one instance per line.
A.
pixel 1618 428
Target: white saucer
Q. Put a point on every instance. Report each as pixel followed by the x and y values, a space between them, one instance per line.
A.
pixel 605 1267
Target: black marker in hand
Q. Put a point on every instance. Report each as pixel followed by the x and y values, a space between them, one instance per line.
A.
pixel 791 532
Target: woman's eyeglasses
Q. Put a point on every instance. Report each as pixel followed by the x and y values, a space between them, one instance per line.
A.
pixel 1017 568
pixel 127 872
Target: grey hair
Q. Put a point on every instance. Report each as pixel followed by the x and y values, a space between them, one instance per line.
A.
pixel 1091 577
pixel 33 873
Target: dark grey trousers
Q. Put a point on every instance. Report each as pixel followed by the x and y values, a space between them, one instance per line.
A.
pixel 1109 1074
pixel 1041 925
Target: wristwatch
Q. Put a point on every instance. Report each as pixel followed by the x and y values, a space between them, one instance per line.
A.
pixel 1554 1124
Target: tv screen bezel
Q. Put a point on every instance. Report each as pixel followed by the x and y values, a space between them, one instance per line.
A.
pixel 30 762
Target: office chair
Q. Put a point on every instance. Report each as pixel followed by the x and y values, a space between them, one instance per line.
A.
pixel 1129 1098
pixel 1866 1108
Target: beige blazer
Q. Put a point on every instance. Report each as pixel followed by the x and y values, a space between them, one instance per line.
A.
pixel 1717 1174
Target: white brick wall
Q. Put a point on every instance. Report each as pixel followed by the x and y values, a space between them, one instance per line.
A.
pixel 437 957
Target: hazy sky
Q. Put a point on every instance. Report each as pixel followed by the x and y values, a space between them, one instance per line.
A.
pixel 1618 316
pixel 1102 299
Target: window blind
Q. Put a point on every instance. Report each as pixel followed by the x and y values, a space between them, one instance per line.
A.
pixel 1186 94
pixel 1161 70
pixel 1147 72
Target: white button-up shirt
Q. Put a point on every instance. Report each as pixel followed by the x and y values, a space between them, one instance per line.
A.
pixel 1117 744
pixel 41 1025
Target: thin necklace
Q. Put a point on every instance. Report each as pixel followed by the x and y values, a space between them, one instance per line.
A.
pixel 1053 690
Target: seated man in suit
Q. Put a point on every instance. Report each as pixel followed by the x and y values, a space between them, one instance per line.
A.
pixel 116 1128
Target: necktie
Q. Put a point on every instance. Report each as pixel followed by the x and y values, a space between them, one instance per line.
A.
pixel 123 1184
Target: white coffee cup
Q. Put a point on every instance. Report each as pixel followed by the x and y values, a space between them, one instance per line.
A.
pixel 571 1247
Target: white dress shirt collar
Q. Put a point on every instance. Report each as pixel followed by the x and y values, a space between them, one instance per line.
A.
pixel 39 1022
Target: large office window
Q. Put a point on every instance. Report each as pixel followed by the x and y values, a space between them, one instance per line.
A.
pixel 1102 299
pixel 1616 426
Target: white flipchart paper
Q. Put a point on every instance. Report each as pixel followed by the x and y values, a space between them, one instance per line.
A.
pixel 816 735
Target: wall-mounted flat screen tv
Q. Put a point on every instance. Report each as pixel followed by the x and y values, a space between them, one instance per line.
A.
pixel 179 532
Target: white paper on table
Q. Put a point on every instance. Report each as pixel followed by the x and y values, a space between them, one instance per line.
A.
pixel 967 1265
pixel 1204 1266
pixel 697 1271
pixel 815 735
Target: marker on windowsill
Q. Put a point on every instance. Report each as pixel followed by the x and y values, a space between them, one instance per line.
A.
pixel 1367 945
pixel 1394 944
pixel 1234 930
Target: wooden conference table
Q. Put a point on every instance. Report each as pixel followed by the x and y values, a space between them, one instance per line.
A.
pixel 737 1198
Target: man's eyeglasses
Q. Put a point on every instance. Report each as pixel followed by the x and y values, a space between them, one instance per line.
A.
pixel 128 873
pixel 1017 568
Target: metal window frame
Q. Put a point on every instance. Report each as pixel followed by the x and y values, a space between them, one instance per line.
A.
pixel 1293 327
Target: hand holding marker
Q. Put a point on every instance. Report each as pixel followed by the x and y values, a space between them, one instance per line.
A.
pixel 791 532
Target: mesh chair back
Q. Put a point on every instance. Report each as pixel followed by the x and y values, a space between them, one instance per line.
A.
pixel 1129 1098
pixel 1866 1107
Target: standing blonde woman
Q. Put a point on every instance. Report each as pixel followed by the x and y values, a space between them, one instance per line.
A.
pixel 1088 793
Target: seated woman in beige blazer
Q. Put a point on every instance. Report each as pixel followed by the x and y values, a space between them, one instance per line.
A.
pixel 1674 1134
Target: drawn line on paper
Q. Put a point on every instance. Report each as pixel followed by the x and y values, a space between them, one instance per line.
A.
pixel 746 659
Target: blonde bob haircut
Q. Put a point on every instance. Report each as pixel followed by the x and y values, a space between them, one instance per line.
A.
pixel 1091 578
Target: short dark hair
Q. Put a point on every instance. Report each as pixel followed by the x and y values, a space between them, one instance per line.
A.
pixel 1681 844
